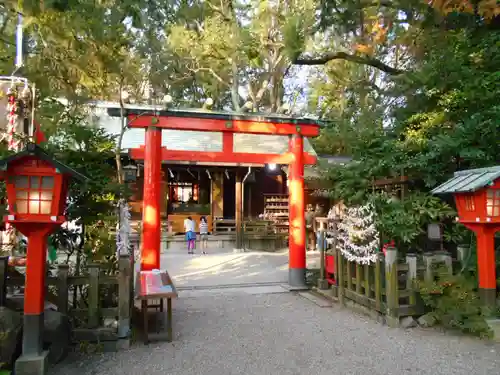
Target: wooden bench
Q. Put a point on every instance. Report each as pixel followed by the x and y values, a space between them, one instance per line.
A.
pixel 153 286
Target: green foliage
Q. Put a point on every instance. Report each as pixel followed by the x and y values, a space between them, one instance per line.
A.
pixel 405 220
pixel 438 118
pixel 455 303
pixel 88 149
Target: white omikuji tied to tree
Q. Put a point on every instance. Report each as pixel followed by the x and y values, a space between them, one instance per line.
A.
pixel 123 232
pixel 358 238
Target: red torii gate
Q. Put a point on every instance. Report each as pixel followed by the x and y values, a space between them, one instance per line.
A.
pixel 153 154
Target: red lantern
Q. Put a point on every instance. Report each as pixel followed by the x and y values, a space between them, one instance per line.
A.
pixel 37 188
pixel 477 197
pixel 481 206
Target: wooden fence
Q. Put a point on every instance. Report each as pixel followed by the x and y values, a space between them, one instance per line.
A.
pixel 386 287
pixel 90 316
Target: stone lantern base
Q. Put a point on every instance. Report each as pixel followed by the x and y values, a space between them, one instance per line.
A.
pixel 33 364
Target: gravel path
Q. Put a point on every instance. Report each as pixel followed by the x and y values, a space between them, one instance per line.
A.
pixel 279 334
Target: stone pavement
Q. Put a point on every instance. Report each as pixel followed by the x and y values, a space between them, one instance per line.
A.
pixel 224 267
pixel 256 329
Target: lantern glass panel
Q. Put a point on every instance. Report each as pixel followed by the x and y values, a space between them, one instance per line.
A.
pixel 48 182
pixel 34 194
pixel 22 206
pixel 34 206
pixel 21 182
pixel 469 204
pixel 21 195
pixel 46 195
pixel 45 207
pixel 493 202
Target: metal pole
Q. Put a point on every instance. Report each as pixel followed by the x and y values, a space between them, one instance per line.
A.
pixel 19 41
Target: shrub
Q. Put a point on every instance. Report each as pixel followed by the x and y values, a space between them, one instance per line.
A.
pixel 454 302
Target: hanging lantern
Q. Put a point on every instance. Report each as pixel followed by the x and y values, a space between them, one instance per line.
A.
pixel 130 173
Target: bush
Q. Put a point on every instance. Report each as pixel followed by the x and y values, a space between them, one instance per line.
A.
pixel 454 303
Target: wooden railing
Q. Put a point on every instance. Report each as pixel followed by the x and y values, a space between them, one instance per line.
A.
pixel 224 226
pixel 90 315
pixel 387 286
pixel 228 226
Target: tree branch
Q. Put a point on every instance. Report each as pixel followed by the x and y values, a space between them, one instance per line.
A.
pixel 213 73
pixel 322 60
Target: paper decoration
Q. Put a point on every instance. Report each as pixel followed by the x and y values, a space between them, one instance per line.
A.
pixel 358 238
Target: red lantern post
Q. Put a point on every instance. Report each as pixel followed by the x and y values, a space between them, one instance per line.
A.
pixel 477 197
pixel 37 188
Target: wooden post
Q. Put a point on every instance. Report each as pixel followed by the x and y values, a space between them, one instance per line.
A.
pixel 366 280
pixel 322 282
pixel 378 281
pixel 445 257
pixel 391 286
pixel 4 262
pixel 463 252
pixel 438 257
pixel 349 274
pixel 62 288
pixel 217 195
pixel 93 296
pixel 131 281
pixel 411 260
pixel 239 213
pixel 337 254
pixel 340 276
pixel 358 278
pixel 124 276
pixel 428 273
pixel 249 202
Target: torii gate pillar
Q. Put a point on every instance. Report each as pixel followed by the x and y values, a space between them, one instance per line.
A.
pixel 151 220
pixel 297 238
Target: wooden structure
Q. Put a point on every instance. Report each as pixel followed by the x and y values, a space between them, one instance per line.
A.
pixel 385 288
pixel 229 126
pixel 37 188
pixel 276 210
pixel 477 197
pixel 154 286
pixel 89 317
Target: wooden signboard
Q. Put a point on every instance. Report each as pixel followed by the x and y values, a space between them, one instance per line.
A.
pixel 155 285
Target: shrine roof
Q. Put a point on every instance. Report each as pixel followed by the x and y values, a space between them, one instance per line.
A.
pixel 468 181
pixel 208 114
pixel 35 150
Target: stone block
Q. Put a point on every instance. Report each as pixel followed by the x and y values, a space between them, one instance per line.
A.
pixel 408 322
pixel 123 344
pixel 494 325
pixel 323 284
pixel 427 320
pixel 32 364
